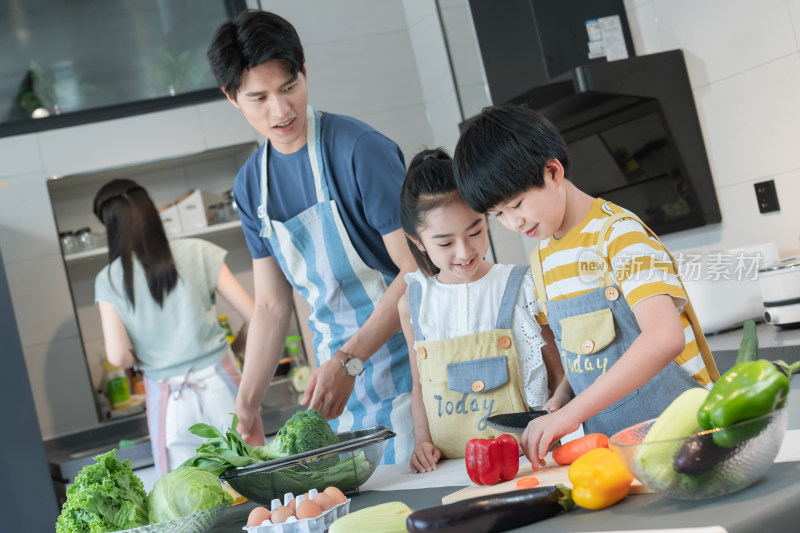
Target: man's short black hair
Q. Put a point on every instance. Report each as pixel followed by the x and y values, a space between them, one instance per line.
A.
pixel 503 152
pixel 252 38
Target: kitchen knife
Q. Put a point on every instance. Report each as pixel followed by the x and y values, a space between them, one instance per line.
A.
pixel 513 422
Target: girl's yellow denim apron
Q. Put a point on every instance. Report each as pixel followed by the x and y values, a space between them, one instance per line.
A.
pixel 466 379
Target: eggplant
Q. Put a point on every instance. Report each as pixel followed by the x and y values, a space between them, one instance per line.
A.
pixel 700 454
pixel 497 512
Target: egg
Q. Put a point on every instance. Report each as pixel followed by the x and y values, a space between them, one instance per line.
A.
pixel 324 501
pixel 292 504
pixel 257 516
pixel 280 514
pixel 337 495
pixel 308 509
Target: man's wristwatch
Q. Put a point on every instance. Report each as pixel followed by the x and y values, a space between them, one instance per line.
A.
pixel 352 365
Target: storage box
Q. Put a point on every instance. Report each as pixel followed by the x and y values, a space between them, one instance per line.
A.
pixel 193 209
pixel 171 219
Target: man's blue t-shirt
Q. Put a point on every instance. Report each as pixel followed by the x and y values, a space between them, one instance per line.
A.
pixel 364 170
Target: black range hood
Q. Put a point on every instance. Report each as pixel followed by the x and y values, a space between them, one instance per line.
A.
pixel 633 134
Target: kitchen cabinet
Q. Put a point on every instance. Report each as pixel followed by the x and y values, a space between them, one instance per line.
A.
pixel 166 180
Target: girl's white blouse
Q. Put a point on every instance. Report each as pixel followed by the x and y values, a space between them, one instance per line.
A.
pixel 454 310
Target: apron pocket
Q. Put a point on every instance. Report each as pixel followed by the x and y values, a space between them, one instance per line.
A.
pixel 589 333
pixel 478 376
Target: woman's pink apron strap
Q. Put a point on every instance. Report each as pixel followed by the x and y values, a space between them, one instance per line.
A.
pixel 156 397
pixel 231 369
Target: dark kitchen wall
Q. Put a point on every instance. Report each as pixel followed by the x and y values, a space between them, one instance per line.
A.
pixel 27 497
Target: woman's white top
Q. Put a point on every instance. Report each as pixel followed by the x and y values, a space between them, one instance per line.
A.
pixel 454 310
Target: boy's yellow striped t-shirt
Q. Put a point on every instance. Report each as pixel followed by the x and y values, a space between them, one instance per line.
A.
pixel 637 261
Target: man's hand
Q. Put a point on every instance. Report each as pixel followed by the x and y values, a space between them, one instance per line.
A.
pixel 328 389
pixel 251 426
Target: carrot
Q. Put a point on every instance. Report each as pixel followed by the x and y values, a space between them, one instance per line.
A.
pixel 567 453
pixel 534 467
pixel 527 482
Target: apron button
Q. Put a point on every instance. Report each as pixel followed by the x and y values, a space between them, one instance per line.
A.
pixel 478 386
pixel 422 353
pixel 504 342
pixel 587 346
pixel 612 293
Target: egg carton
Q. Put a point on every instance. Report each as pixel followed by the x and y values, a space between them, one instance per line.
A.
pixel 306 525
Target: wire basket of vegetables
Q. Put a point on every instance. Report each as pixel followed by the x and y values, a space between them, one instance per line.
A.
pixel 304 454
pixel 199 522
pixel 711 443
pixel 108 496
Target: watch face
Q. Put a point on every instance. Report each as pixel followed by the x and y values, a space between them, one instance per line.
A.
pixel 354 367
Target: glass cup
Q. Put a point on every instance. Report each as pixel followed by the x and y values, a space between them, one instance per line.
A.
pixel 69 243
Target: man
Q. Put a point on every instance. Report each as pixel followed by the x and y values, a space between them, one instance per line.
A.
pixel 319 203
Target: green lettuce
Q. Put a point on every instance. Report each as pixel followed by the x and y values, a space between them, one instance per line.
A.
pixel 184 491
pixel 105 496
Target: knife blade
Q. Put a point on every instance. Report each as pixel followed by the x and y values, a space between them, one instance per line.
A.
pixel 513 422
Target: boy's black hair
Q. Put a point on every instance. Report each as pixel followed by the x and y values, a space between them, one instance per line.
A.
pixel 252 38
pixel 429 184
pixel 503 152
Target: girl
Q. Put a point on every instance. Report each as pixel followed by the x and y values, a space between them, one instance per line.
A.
pixel 158 296
pixel 474 344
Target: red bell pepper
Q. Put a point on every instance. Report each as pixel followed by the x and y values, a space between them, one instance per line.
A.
pixel 491 460
pixel 510 461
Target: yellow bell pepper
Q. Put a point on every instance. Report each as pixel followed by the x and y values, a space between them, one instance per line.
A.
pixel 599 479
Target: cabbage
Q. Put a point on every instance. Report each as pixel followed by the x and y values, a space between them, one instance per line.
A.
pixel 184 491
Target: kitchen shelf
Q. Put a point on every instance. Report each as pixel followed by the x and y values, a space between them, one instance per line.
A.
pixel 103 251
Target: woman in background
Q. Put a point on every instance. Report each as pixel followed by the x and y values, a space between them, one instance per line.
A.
pixel 157 307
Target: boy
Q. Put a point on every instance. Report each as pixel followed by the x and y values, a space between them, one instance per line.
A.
pixel 610 288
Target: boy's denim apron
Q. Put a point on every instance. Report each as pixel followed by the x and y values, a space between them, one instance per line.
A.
pixel 593 330
pixel 316 255
pixel 466 379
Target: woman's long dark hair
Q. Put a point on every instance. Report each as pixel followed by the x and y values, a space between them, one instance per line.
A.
pixel 134 227
pixel 429 184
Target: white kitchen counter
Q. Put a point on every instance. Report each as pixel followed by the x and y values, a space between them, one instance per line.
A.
pixel 453 472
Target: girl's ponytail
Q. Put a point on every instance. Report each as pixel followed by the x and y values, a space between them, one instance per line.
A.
pixel 429 184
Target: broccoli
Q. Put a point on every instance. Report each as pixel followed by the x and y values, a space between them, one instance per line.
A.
pixel 305 431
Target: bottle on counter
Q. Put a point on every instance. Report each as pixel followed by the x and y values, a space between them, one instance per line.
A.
pixel 300 372
pixel 223 322
pixel 119 392
pixel 137 381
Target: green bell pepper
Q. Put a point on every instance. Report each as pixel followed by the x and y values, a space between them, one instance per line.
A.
pixel 746 391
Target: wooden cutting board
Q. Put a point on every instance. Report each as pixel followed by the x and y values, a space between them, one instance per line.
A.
pixel 549 475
